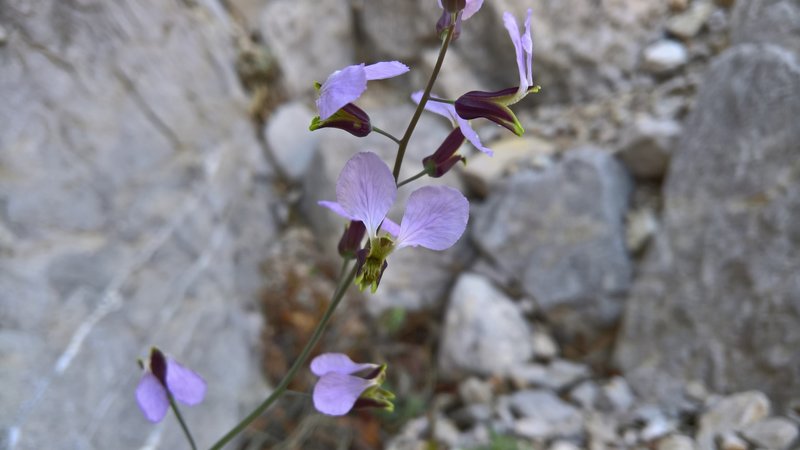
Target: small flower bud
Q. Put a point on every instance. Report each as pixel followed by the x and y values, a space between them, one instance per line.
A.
pixel 445 157
pixel 158 365
pixel 350 243
pixel 444 22
pixel 492 106
pixel 349 118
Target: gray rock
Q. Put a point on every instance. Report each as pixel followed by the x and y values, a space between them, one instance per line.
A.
pixel 327 45
pixel 616 395
pixel 725 261
pixel 731 414
pixel 563 445
pixel 475 390
pixel 767 22
pixel 128 190
pixel 559 234
pixel 773 433
pixel 664 56
pixel 484 332
pixel 585 394
pixel 289 139
pixel 676 442
pixel 728 441
pixel 688 23
pixel 472 414
pixel 642 225
pixel 647 145
pixel 557 375
pixel 3 35
pixel 398 29
pixel 543 415
pixel 544 346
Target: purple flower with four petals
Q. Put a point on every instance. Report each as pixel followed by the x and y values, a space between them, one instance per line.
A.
pixel 340 389
pixel 435 216
pixel 346 85
pixel 162 378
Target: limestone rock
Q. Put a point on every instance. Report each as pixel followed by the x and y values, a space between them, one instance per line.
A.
pixel 676 442
pixel 559 233
pixel 289 139
pixel 731 414
pixel 688 23
pixel 310 39
pixel 664 56
pixel 773 433
pixel 484 331
pixel 544 415
pixel 725 262
pixel 647 145
pixel 128 194
pixel 398 29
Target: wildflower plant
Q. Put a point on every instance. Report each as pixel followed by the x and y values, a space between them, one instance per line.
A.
pixel 435 217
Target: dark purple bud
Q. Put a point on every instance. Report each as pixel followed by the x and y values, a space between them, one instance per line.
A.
pixel 445 157
pixel 492 106
pixel 454 6
pixel 349 118
pixel 158 365
pixel 350 243
pixel 445 21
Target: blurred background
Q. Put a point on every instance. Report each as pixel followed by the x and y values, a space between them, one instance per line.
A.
pixel 630 276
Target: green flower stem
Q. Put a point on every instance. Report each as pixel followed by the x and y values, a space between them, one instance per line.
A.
pixel 387 134
pixel 344 282
pixel 401 149
pixel 409 180
pixel 442 100
pixel 181 421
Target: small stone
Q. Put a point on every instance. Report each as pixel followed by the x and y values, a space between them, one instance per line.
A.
pixel 729 441
pixel 484 331
pixel 664 56
pixel 774 433
pixel 475 390
pixel 647 145
pixel 557 375
pixel 563 445
pixel 676 442
pixel 473 414
pixel 642 225
pixel 3 35
pixel 616 395
pixel 544 415
pixel 688 23
pixel 289 139
pixel 731 414
pixel 544 346
pixel 657 427
pixel 585 394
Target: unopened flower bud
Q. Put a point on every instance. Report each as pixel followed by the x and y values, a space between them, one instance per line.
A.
pixel 454 6
pixel 445 157
pixel 349 118
pixel 350 243
pixel 444 22
pixel 492 106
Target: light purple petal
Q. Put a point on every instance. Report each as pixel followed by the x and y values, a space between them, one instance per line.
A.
pixel 513 32
pixel 443 109
pixel 337 208
pixel 152 398
pixel 390 227
pixel 383 70
pixel 184 384
pixel 472 7
pixel 435 218
pixel 366 190
pixel 527 45
pixel 338 363
pixel 341 87
pixel 336 393
pixel 472 136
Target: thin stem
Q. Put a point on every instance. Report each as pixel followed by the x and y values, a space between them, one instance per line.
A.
pixel 442 100
pixel 401 149
pixel 344 283
pixel 409 180
pixel 385 133
pixel 180 421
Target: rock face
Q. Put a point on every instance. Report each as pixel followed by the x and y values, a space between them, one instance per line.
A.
pixel 718 298
pixel 559 234
pixel 129 216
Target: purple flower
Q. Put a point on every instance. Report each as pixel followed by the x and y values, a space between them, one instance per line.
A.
pixel 523 47
pixel 471 7
pixel 347 85
pixel 449 111
pixel 339 389
pixel 435 216
pixel 162 378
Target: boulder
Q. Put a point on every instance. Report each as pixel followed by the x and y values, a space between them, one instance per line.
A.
pixel 129 217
